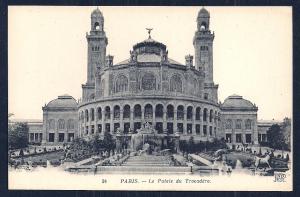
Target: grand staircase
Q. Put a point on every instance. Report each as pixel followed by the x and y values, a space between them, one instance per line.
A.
pixel 148 160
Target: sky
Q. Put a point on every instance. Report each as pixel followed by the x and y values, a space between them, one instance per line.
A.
pixel 47 51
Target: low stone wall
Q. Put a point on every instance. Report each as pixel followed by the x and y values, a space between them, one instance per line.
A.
pixel 130 169
pixel 201 159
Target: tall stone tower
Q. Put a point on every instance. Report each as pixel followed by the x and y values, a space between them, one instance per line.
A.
pixel 97 42
pixel 203 44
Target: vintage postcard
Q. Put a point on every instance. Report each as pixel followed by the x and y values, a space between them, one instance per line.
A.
pixel 150 98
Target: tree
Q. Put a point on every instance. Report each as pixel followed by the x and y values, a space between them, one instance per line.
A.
pixel 18 135
pixel 276 138
pixel 286 130
pixel 183 146
pixel 96 143
pixel 108 142
pixel 191 144
pixel 217 144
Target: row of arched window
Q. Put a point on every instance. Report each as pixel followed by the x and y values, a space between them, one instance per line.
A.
pixel 148 82
pixel 95 48
pixel 149 111
pixel 61 124
pixel 238 124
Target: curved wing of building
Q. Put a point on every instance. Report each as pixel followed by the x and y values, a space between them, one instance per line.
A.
pixel 149 87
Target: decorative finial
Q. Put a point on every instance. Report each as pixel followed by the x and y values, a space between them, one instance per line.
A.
pixel 149 32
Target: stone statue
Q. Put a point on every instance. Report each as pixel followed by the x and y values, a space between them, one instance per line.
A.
pixel 119 130
pixel 133 56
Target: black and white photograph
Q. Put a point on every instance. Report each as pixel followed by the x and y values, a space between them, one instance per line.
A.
pixel 194 98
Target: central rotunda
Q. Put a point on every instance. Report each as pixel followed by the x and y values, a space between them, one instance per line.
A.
pixel 149 87
pixel 150 90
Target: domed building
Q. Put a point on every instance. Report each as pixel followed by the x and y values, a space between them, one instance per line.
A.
pixel 150 88
pixel 239 117
pixel 60 120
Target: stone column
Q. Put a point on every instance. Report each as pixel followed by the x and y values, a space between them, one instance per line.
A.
pixel 201 125
pixel 56 132
pixel 131 119
pixel 175 121
pixel 255 132
pixel 66 135
pixel 184 122
pixel 143 116
pixel 45 128
pixel 112 121
pixel 194 121
pixel 164 119
pixel 121 120
pixel 153 118
pixel 103 121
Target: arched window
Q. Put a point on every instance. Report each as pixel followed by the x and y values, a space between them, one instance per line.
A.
pixel 92 114
pixel 117 112
pixel 102 87
pixel 121 84
pixel 159 111
pixel 238 124
pixel 99 113
pixel 96 26
pixel 211 113
pixel 148 111
pixel 216 116
pixel 61 124
pixel 205 114
pixel 180 112
pixel 170 112
pixel 206 96
pixel 71 124
pixel 86 115
pixel 189 113
pixel 195 86
pixel 51 124
pixel 203 26
pixel 107 112
pixel 175 83
pixel 137 111
pixel 148 82
pixel 248 124
pixel 228 124
pixel 82 116
pixel 198 111
pixel 92 96
pixel 126 111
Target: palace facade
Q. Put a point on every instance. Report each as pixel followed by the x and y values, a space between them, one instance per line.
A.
pixel 150 87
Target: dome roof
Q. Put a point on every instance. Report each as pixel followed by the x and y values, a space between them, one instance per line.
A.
pixel 237 102
pixel 63 101
pixel 149 51
pixel 203 13
pixel 148 46
pixel 96 13
pixel 148 58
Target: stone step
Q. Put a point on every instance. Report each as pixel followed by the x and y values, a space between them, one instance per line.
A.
pixel 138 160
pixel 145 164
pixel 148 161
